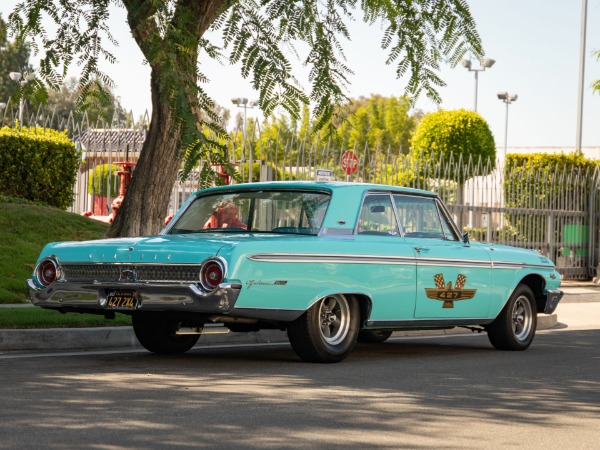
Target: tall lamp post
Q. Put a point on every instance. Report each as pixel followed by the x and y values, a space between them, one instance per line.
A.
pixel 507 99
pixel 22 80
pixel 244 103
pixel 581 77
pixel 486 64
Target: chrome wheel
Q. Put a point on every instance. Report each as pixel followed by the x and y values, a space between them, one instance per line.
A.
pixel 334 313
pixel 514 328
pixel 327 331
pixel 522 318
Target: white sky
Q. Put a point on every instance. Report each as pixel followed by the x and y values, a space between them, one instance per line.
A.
pixel 535 43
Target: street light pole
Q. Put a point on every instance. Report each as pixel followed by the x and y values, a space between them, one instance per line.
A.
pixel 22 80
pixel 581 76
pixel 486 64
pixel 508 99
pixel 244 103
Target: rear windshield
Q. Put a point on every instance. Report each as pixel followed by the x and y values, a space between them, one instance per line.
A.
pixel 268 211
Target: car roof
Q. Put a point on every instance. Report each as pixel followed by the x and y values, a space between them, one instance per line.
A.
pixel 331 186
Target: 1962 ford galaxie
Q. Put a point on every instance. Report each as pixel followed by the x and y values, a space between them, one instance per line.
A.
pixel 331 263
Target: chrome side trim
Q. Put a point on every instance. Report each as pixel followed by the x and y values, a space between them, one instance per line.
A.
pixel 324 258
pixel 486 264
pixel 381 259
pixel 418 324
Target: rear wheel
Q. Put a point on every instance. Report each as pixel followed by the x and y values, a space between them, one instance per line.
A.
pixel 156 333
pixel 373 336
pixel 514 328
pixel 326 333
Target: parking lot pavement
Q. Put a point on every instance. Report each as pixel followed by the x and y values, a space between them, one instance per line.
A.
pixel 579 309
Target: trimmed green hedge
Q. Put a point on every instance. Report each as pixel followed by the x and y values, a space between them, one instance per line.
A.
pixel 543 181
pixel 38 164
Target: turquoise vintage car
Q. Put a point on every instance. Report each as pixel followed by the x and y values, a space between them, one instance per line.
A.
pixel 331 263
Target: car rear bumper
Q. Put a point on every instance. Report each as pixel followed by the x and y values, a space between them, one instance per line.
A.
pixel 150 297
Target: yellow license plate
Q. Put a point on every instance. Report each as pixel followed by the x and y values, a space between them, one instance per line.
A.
pixel 122 300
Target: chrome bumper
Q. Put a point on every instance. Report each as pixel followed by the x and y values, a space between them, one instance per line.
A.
pixel 552 299
pixel 152 297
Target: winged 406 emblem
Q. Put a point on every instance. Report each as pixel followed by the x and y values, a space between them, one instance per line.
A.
pixel 447 293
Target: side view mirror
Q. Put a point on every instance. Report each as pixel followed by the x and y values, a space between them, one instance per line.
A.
pixel 465 238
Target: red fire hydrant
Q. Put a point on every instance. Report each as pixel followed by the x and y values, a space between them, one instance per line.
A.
pixel 125 173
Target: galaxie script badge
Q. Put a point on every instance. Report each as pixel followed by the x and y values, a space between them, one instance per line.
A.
pixel 251 283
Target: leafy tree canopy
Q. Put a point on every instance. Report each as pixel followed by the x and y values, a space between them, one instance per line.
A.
pixel 61 105
pixel 259 35
pixel 418 34
pixel 379 122
pixel 14 57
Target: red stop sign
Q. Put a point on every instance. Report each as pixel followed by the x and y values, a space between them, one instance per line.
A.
pixel 349 162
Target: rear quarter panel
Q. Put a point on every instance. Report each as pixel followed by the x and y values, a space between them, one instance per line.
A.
pixel 294 285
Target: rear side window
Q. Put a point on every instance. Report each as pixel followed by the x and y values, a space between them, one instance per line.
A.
pixel 377 216
pixel 420 218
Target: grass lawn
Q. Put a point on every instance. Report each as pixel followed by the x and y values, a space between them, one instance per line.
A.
pixel 24 231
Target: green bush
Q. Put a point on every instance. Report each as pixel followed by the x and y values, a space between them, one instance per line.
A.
pixel 99 182
pixel 38 164
pixel 506 233
pixel 452 134
pixel 278 175
pixel 544 181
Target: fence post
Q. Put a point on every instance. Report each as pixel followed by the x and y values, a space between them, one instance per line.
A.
pixel 550 241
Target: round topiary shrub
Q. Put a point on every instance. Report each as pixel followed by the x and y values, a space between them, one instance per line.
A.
pixel 455 134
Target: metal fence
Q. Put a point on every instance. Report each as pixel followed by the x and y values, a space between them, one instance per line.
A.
pixel 552 211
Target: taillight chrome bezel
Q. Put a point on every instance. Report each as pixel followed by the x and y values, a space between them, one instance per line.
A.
pixel 210 267
pixel 47 272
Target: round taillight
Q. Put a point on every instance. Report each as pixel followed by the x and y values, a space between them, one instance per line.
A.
pixel 211 274
pixel 47 272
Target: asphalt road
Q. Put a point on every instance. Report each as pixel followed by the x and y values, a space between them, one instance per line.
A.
pixel 424 392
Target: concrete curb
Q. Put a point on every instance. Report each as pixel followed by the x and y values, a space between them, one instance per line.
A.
pixel 124 338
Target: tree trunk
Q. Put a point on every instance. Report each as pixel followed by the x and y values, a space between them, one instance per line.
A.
pixel 147 200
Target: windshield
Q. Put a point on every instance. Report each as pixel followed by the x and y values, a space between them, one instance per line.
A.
pixel 268 211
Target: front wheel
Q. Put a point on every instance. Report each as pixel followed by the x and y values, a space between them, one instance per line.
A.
pixel 514 328
pixel 156 333
pixel 326 333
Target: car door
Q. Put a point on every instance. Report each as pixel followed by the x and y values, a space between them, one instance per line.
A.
pixel 453 279
pixel 389 272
